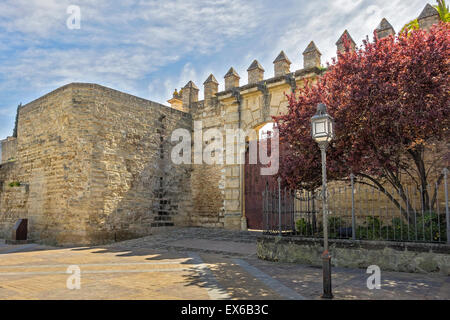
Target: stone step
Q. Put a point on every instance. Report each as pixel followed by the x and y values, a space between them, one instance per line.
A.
pixel 163 218
pixel 157 212
pixel 164 212
pixel 162 224
pixel 18 242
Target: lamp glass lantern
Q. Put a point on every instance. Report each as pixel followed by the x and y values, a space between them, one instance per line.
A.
pixel 322 125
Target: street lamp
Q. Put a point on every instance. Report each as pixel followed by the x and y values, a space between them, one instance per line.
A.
pixel 323 133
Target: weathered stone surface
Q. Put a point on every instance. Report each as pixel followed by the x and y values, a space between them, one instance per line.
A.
pixel 384 29
pixel 94 167
pixel 190 94
pixel 211 88
pixel 389 256
pixel 255 72
pixel 428 17
pixel 9 149
pixel 341 44
pixel 231 79
pixel 281 64
pixel 311 56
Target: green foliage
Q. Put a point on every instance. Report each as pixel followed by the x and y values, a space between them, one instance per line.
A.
pixel 371 229
pixel 425 228
pixel 412 25
pixel 443 10
pixel 444 15
pixel 304 227
pixel 14 184
pixel 334 223
pixel 429 227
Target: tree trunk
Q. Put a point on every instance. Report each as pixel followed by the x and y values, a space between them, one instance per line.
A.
pixel 405 210
pixel 417 156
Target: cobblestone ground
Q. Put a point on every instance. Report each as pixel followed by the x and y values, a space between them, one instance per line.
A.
pixel 190 263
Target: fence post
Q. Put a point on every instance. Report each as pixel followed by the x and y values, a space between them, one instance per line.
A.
pixel 279 204
pixel 447 214
pixel 352 179
pixel 264 212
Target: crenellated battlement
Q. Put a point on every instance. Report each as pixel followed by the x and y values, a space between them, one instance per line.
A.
pixel 311 64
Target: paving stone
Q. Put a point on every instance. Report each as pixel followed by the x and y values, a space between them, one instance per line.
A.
pixel 191 263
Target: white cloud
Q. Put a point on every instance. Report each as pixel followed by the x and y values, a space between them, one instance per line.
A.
pixel 119 43
pixel 330 18
pixel 161 89
pixel 37 17
pixel 344 6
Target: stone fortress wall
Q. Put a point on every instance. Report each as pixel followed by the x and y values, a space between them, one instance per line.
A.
pixel 8 149
pixel 92 164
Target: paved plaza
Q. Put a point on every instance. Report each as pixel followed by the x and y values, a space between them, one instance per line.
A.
pixel 192 264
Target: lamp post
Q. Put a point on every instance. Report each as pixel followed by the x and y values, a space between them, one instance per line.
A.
pixel 323 133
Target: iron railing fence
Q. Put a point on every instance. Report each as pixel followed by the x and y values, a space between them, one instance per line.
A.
pixel 360 212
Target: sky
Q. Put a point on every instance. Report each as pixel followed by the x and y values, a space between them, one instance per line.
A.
pixel 148 48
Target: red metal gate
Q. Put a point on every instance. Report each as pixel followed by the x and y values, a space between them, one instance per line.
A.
pixel 254 185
